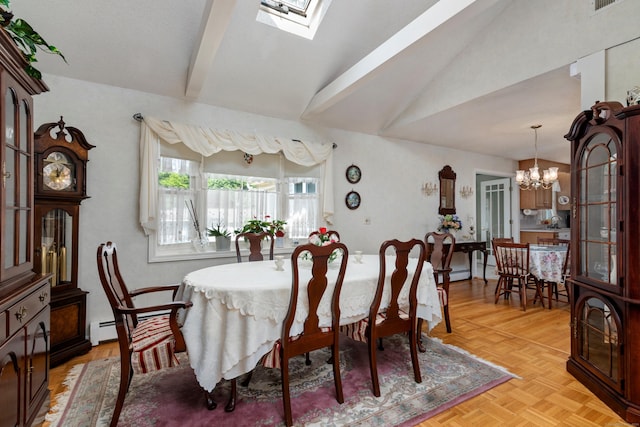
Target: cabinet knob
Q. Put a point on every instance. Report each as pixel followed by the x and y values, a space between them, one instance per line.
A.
pixel 21 314
pixel 43 296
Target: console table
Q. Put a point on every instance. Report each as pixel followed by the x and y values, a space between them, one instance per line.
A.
pixel 468 247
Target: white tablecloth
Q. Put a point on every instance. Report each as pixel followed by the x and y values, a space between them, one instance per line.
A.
pixel 547 262
pixel 238 310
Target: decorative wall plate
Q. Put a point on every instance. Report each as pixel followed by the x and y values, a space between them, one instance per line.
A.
pixel 563 200
pixel 352 200
pixel 353 174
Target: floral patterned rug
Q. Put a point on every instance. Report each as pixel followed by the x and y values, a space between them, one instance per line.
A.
pixel 173 397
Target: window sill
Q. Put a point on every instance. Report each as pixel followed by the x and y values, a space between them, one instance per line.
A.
pixel 188 253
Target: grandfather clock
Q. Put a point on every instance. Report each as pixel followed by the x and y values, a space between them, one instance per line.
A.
pixel 61 156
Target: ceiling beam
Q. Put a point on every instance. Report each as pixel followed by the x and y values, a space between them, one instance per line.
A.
pixel 215 20
pixel 374 62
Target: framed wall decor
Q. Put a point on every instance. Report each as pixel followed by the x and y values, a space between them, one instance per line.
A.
pixel 352 200
pixel 353 174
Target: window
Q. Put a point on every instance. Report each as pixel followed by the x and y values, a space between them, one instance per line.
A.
pixel 299 17
pixel 224 189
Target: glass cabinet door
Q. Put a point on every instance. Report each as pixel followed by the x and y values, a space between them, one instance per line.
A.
pixel 17 172
pixel 598 210
pixel 598 339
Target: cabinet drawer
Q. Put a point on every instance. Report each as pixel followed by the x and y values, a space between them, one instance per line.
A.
pixel 24 310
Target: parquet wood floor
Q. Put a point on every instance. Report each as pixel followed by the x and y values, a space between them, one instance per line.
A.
pixel 534 345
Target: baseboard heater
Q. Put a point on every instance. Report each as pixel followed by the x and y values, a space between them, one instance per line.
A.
pixel 106 331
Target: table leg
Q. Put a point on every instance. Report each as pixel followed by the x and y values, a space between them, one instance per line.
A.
pixel 470 264
pixel 484 266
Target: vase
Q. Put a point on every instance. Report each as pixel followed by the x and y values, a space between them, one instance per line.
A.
pixel 223 243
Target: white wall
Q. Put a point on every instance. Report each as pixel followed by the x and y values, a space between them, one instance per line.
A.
pixel 392 174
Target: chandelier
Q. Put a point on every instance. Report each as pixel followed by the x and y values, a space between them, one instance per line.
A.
pixel 531 179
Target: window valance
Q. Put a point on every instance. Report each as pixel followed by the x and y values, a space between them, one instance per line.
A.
pixel 206 142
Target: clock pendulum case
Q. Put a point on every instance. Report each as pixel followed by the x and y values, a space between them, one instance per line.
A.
pixel 61 156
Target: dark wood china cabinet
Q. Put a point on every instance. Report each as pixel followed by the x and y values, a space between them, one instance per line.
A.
pixel 24 294
pixel 605 255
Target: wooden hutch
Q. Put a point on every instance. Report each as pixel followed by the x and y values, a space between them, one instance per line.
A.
pixel 24 295
pixel 605 255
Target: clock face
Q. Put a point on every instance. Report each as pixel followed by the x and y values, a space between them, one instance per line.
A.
pixel 58 173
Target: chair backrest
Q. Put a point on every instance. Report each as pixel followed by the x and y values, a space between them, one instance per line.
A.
pixel 255 245
pixel 116 290
pixel 315 289
pixel 440 248
pixel 493 246
pixel 398 280
pixel 512 259
pixel 333 235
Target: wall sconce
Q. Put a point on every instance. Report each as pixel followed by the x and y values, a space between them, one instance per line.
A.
pixel 428 188
pixel 466 191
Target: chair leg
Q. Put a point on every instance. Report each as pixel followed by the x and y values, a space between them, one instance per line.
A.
pixel 421 347
pixel 373 366
pixel 447 321
pixel 337 379
pixel 233 395
pixel 286 398
pixel 247 379
pixel 414 358
pixel 126 372
pixel 523 294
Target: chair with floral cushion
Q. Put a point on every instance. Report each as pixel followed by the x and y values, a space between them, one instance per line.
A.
pixel 396 317
pixel 255 245
pixel 145 345
pixel 313 336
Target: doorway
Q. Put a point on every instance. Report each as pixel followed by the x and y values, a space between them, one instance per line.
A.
pixel 494 214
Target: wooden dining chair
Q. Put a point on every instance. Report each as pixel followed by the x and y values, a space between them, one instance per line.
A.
pixel 145 345
pixel 396 317
pixel 512 260
pixel 439 250
pixel 255 245
pixel 313 336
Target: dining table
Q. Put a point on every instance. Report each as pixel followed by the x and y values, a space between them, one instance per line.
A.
pixel 546 263
pixel 238 309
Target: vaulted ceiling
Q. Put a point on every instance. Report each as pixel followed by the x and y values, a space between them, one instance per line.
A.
pixel 466 74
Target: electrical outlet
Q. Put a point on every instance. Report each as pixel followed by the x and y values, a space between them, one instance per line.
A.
pixel 367 221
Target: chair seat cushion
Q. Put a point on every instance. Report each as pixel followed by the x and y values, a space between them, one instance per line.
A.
pixel 358 330
pixel 273 359
pixel 152 345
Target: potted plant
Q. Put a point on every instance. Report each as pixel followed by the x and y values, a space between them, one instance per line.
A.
pixel 222 235
pixel 26 38
pixel 276 228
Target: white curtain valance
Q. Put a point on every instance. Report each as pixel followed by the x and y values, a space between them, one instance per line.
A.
pixel 207 142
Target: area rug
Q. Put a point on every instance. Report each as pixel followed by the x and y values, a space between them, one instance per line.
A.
pixel 173 397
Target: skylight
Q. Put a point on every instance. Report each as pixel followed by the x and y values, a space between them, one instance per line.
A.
pixel 299 17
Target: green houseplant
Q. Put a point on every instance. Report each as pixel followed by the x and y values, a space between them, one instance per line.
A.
pixel 222 235
pixel 26 38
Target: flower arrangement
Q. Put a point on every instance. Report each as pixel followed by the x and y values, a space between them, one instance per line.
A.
pixel 255 225
pixel 322 238
pixel 449 222
pixel 276 227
